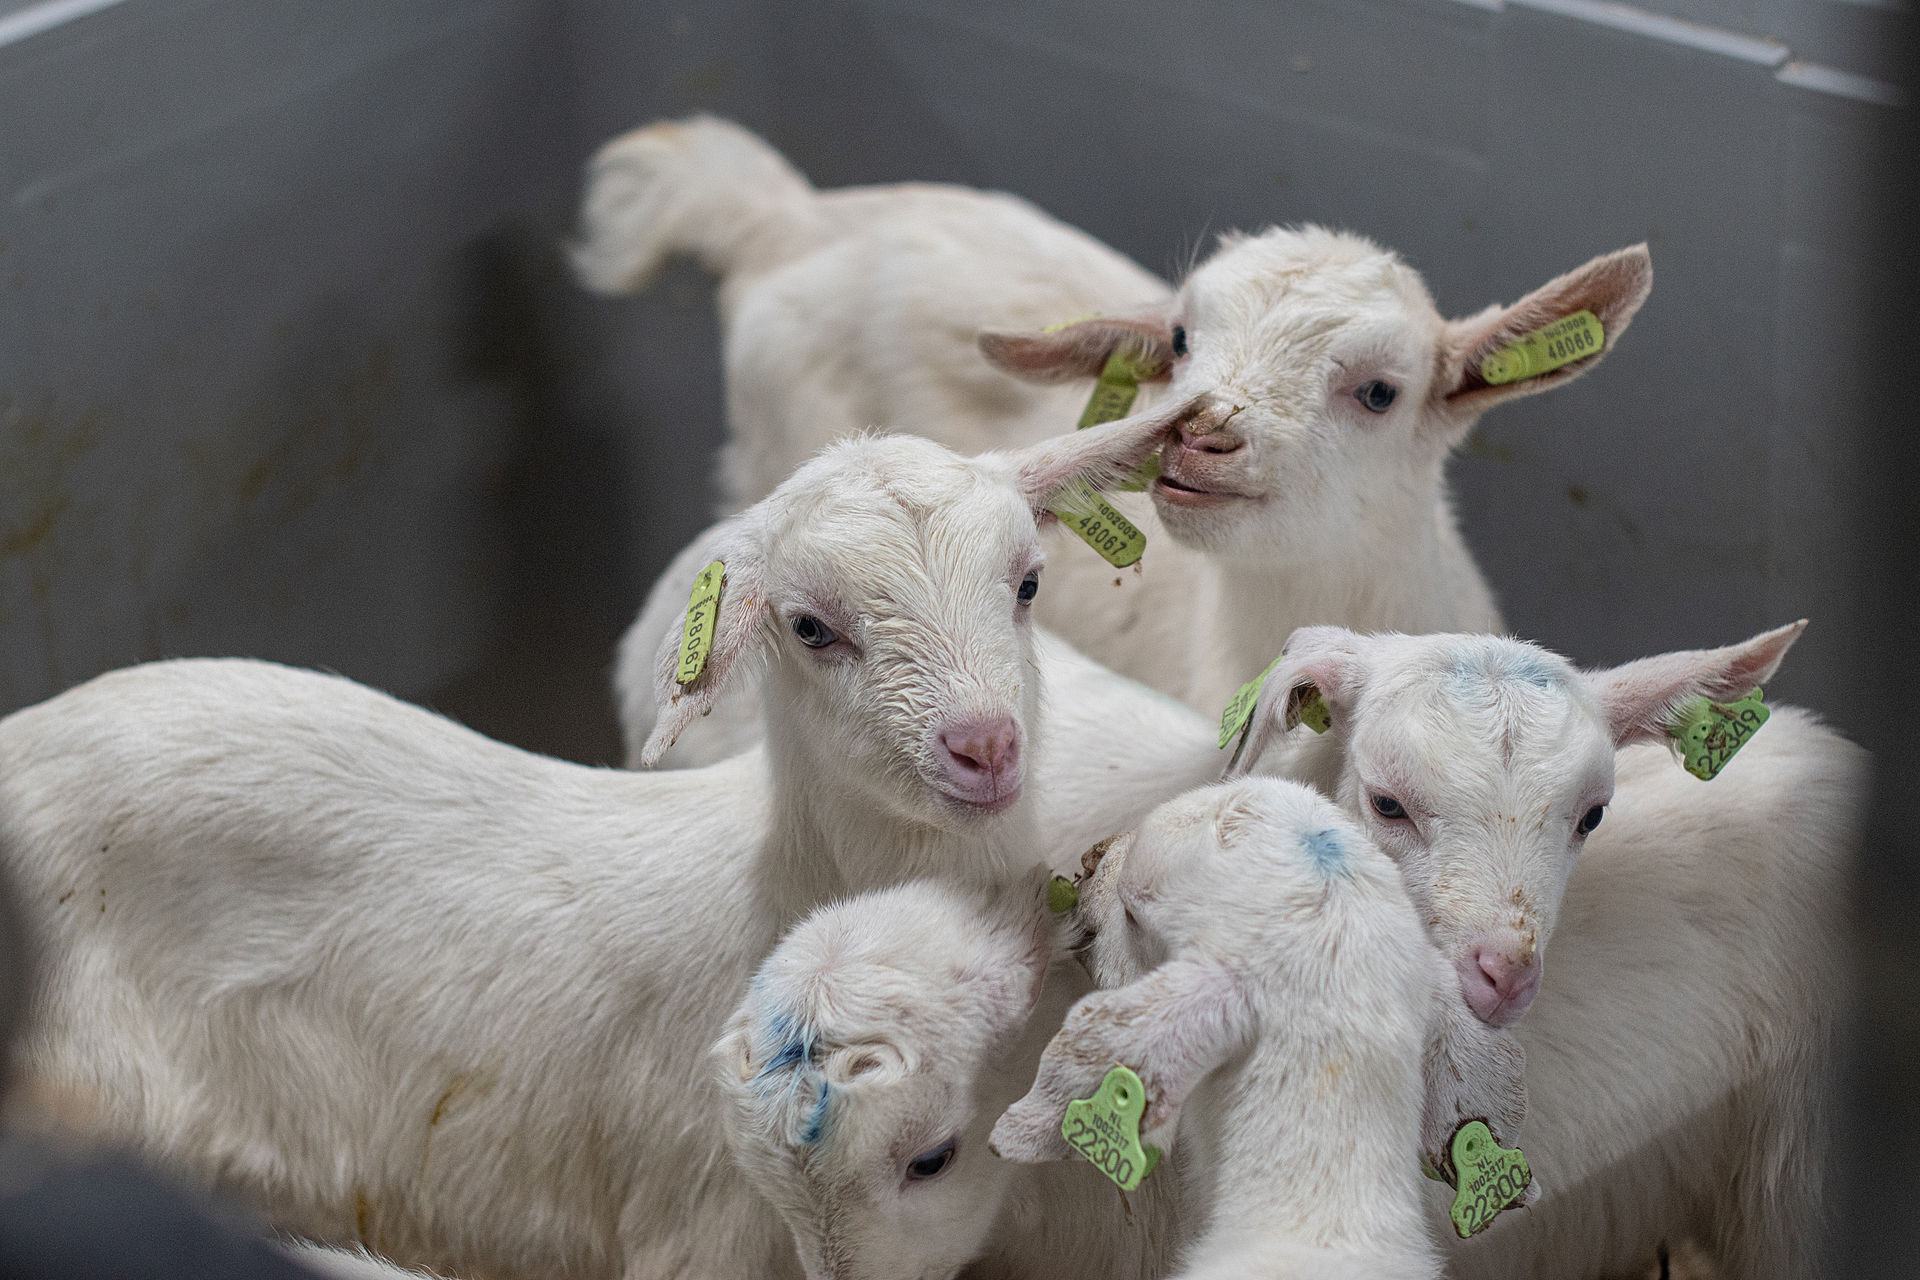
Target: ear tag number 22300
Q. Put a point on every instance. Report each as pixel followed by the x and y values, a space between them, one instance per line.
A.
pixel 703 610
pixel 1708 733
pixel 1106 1129
pixel 1491 1178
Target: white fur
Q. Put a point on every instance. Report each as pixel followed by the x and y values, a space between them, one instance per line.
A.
pixel 1682 1034
pixel 846 310
pixel 413 988
pixel 353 1264
pixel 885 1027
pixel 1276 993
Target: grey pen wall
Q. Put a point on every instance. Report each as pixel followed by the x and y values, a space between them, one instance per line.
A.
pixel 290 365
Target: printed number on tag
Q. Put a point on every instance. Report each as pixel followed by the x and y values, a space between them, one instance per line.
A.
pixel 1709 733
pixel 1491 1178
pixel 1573 338
pixel 1106 1129
pixel 703 611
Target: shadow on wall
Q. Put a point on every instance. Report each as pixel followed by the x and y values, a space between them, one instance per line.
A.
pixel 567 523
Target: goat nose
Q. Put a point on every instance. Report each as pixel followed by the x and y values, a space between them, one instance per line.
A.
pixel 983 747
pixel 1497 987
pixel 1204 430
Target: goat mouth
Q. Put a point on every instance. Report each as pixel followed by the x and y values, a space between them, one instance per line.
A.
pixel 1181 494
pixel 982 802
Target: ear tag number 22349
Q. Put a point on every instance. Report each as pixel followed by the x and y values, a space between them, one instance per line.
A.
pixel 1106 1129
pixel 1708 733
pixel 703 610
pixel 1491 1178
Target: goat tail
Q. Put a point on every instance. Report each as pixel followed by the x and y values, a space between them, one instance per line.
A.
pixel 701 186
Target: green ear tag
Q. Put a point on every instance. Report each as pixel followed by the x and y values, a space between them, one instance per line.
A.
pixel 1573 338
pixel 1117 539
pixel 696 641
pixel 1062 895
pixel 1113 394
pixel 1106 1129
pixel 1112 397
pixel 1240 707
pixel 1304 706
pixel 1492 1178
pixel 1710 732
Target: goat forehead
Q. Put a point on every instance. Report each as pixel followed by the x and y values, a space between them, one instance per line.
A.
pixel 1482 732
pixel 1295 274
pixel 912 561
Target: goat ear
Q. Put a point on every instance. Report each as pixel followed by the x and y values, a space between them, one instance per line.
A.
pixel 1472 1072
pixel 1081 349
pixel 1323 660
pixel 1172 1027
pixel 1099 457
pixel 1639 698
pixel 1611 286
pixel 871 1061
pixel 742 611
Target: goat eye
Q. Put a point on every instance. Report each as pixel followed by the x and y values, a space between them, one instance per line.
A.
pixel 1591 819
pixel 1388 807
pixel 930 1165
pixel 812 632
pixel 1179 340
pixel 1030 586
pixel 1376 396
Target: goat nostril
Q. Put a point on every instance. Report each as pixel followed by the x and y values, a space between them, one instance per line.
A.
pixel 983 748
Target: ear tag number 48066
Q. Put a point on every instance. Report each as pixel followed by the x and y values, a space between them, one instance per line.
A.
pixel 1106 1129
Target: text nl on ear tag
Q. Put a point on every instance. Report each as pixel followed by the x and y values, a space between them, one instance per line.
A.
pixel 1709 733
pixel 703 610
pixel 1106 1129
pixel 1490 1178
pixel 1573 338
pixel 1117 539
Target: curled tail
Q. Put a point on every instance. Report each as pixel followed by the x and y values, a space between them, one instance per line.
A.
pixel 702 186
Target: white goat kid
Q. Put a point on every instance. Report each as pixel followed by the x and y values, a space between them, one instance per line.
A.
pixel 872 1053
pixel 1679 1049
pixel 1275 992
pixel 1323 390
pixel 414 988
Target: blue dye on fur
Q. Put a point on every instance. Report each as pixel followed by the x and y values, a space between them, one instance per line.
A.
pixel 1328 853
pixel 1493 665
pixel 817 1121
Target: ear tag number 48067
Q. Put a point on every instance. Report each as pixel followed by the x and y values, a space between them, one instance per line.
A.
pixel 1093 519
pixel 1106 1129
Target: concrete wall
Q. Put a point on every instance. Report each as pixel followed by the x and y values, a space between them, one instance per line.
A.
pixel 289 366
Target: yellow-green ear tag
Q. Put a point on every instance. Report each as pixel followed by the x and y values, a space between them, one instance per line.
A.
pixel 1574 337
pixel 1117 539
pixel 1112 397
pixel 703 610
pixel 1106 1129
pixel 1062 895
pixel 1490 1178
pixel 1305 706
pixel 1709 733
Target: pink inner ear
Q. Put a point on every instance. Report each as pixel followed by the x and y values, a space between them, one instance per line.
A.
pixel 1080 350
pixel 1611 286
pixel 1639 697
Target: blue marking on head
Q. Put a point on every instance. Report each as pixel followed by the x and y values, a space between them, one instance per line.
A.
pixel 1492 664
pixel 1328 851
pixel 817 1121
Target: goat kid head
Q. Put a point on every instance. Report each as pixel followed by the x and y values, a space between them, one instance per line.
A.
pixel 1323 388
pixel 1481 764
pixel 861 1074
pixel 885 587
